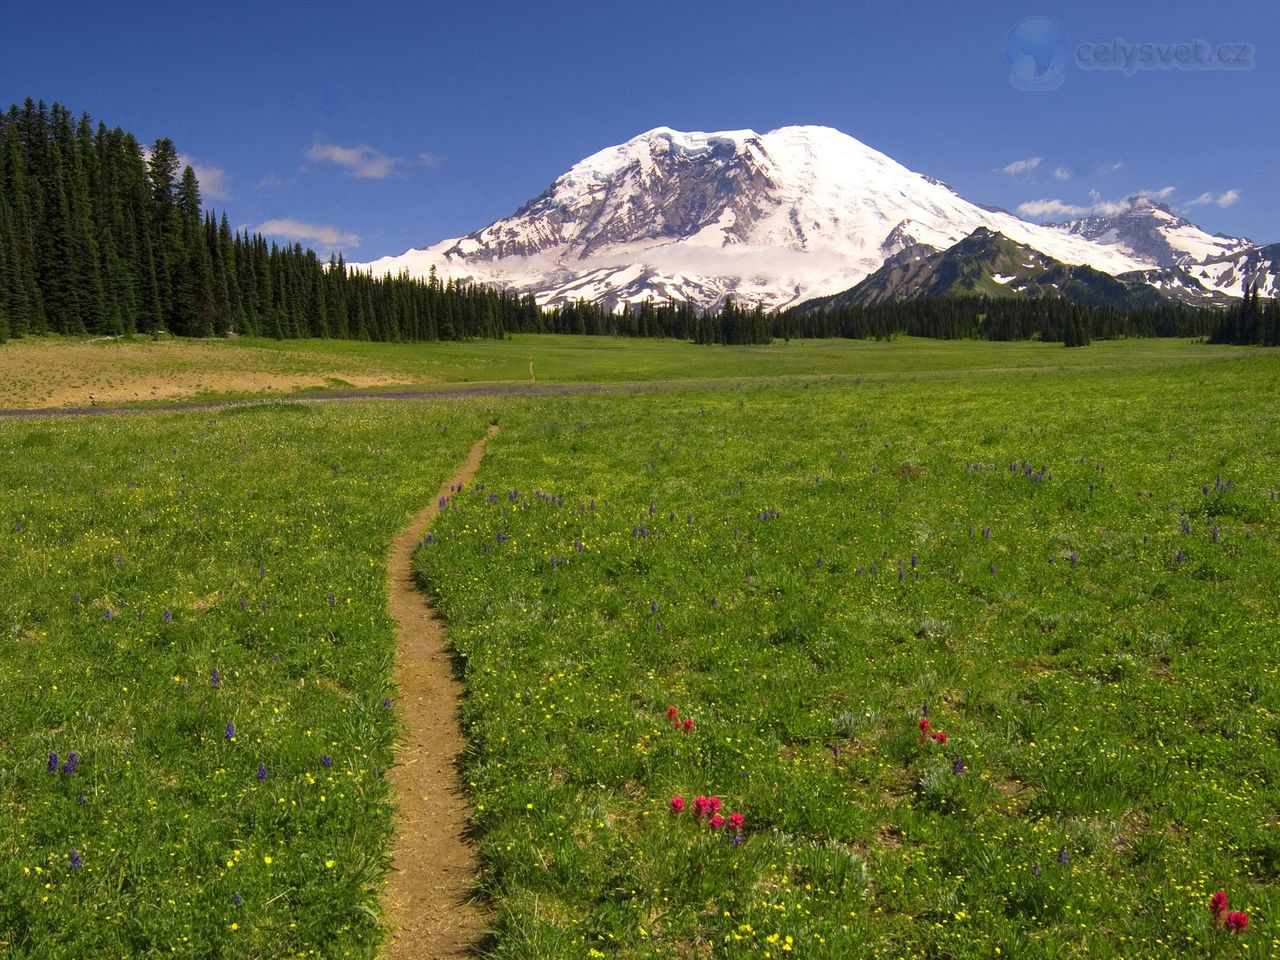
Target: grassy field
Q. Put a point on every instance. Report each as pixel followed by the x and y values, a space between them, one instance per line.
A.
pixel 1070 575
pixel 194 608
pixel 1068 556
pixel 60 372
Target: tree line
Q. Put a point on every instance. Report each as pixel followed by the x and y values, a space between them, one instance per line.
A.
pixel 1250 321
pixel 101 236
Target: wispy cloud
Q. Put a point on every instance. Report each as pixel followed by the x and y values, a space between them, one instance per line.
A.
pixel 1021 167
pixel 1062 173
pixel 1052 208
pixel 1224 199
pixel 324 234
pixel 366 162
pixel 361 161
pixel 215 183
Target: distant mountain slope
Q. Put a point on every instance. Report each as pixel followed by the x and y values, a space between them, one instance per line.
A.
pixel 771 218
pixel 1149 230
pixel 988 263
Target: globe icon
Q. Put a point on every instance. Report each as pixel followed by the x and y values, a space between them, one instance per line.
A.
pixel 1037 52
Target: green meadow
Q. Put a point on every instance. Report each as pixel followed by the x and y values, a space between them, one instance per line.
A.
pixel 1064 561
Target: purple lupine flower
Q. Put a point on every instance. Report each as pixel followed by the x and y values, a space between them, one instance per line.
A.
pixel 333 600
pixel 578 546
pixel 110 614
pixel 215 678
pixel 168 615
pixel 75 861
pixel 986 533
pixel 71 764
pixel 262 771
pixel 1035 869
pixel 326 761
pixel 230 732
pixel 1217 534
pixel 957 767
pixel 262 572
pixel 993 570
pixel 924 709
pixel 54 760
pixel 1074 558
pixel 81 800
pixel 236 899
pixel 75 598
pixel 386 703
pixel 1063 856
pixel 653 607
pixel 736 839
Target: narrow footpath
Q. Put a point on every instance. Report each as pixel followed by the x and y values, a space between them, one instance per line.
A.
pixel 433 869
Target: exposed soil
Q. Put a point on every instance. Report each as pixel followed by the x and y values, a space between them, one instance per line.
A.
pixel 434 869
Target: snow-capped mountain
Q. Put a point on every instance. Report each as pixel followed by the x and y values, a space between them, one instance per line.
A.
pixel 775 218
pixel 1148 230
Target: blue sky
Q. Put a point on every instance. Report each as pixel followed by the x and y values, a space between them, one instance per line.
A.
pixel 398 124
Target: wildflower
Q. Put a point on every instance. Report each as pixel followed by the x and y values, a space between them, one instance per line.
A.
pixel 1237 922
pixel 73 761
pixel 236 899
pixel 262 771
pixel 1218 905
pixel 672 712
pixel 1064 857
pixel 700 806
pixel 958 768
pixel 54 760
pixel 677 805
pixel 215 678
pixel 924 710
pixel 688 725
pixel 653 607
pixel 230 732
pixel 168 615
pixel 326 761
pixel 81 800
pixel 713 804
pixel 333 600
pixel 1035 869
pixel 939 736
pixel 386 703
pixel 924 724
pixel 736 821
pixel 736 840
pixel 716 822
pixel 75 862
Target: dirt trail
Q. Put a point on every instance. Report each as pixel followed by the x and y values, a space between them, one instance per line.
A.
pixel 433 868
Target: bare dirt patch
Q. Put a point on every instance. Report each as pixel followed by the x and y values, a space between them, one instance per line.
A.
pixel 434 869
pixel 54 373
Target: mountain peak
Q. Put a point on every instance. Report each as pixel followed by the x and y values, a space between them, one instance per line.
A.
pixel 771 217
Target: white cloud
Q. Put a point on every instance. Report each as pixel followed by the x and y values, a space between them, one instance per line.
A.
pixel 1062 173
pixel 214 181
pixel 365 162
pixel 324 234
pixel 1049 209
pixel 1224 199
pixel 359 161
pixel 1020 167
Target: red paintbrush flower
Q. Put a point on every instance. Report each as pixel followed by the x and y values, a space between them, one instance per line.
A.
pixel 1237 922
pixel 1218 904
pixel 677 805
